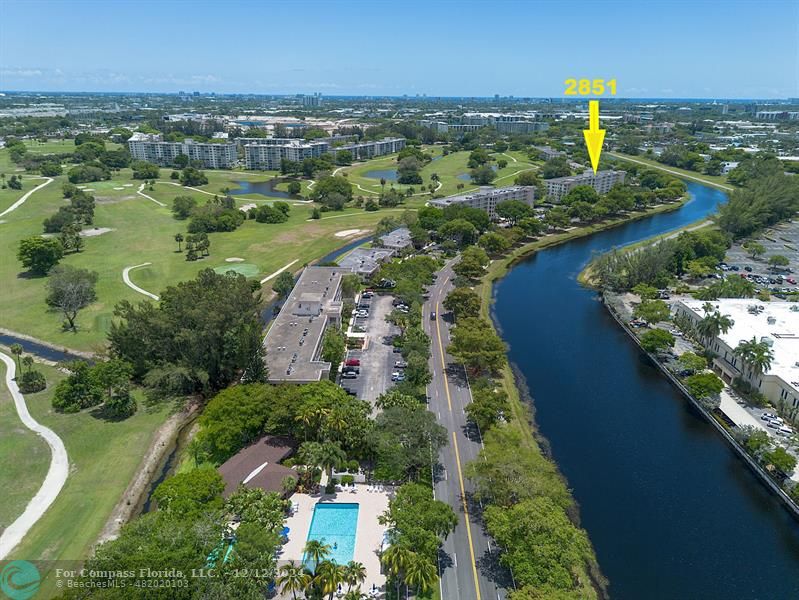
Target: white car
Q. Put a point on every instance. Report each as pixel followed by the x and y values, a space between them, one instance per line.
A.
pixel 767 416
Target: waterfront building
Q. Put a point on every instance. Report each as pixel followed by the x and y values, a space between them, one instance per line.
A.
pixel 152 148
pixel 266 155
pixel 365 262
pixel 488 197
pixel 397 240
pixel 367 150
pixel 293 344
pixel 776 324
pixel 601 181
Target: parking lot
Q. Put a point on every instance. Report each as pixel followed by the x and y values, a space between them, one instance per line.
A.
pixel 782 239
pixel 377 357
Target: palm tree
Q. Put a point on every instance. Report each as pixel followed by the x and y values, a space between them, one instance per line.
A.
pixel 28 362
pixel 329 576
pixel 713 324
pixel 294 578
pixel 336 422
pixel 178 239
pixel 396 560
pixel 421 573
pixel 355 574
pixel 330 456
pixel 316 551
pixel 756 355
pixel 16 350
pixel 356 594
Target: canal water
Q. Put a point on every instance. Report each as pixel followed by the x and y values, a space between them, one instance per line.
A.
pixel 670 509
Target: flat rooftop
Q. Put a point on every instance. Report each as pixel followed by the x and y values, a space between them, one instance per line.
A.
pixel 365 260
pixel 294 340
pixel 399 238
pixel 783 331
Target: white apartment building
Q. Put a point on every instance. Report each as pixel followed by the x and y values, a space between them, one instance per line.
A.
pixel 488 197
pixel 152 148
pixel 776 324
pixel 366 150
pixel 267 156
pixel 602 182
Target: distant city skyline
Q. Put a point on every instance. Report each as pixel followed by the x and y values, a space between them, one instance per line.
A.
pixel 677 50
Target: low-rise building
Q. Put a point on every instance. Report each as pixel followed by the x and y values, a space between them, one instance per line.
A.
pixel 397 240
pixel 258 465
pixel 366 261
pixel 152 148
pixel 294 342
pixel 548 153
pixel 488 197
pixel 776 324
pixel 602 182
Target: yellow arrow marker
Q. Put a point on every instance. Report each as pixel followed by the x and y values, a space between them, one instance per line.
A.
pixel 594 136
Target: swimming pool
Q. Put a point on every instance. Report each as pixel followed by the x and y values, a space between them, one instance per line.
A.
pixel 335 524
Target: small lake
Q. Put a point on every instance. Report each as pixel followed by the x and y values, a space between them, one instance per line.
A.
pixel 264 188
pixel 387 174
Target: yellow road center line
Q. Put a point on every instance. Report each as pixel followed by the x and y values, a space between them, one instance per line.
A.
pixel 466 516
pixel 443 360
pixel 458 459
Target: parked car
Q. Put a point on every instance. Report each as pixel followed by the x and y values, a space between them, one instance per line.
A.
pixel 353 362
pixel 396 376
pixel 397 350
pixel 349 375
pixel 767 416
pixel 735 268
pixel 362 313
pixel 748 269
pixel 355 370
pixel 400 364
pixel 791 280
pixel 786 431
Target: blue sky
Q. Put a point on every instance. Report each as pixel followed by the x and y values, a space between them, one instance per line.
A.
pixel 680 49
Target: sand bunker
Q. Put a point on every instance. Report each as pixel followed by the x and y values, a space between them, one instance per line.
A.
pixel 234 259
pixel 349 232
pixel 95 232
pixel 246 207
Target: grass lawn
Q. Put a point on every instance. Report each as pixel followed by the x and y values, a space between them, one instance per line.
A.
pixel 452 171
pixel 718 181
pixel 144 232
pixel 25 458
pixel 103 457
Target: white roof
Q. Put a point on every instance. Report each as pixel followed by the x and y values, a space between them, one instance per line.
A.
pixel 784 331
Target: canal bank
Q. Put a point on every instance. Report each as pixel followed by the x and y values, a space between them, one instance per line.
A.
pixel 662 496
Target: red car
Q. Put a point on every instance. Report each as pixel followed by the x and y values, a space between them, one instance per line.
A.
pixel 353 362
pixel 791 280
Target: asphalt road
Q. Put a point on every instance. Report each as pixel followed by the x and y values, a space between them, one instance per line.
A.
pixel 468 565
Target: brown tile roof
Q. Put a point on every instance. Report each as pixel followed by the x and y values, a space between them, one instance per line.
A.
pixel 258 465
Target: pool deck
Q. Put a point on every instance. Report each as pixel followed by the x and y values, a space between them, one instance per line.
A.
pixel 369 534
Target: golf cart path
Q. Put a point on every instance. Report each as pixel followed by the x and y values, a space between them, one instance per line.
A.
pixel 25 196
pixel 141 193
pixel 126 278
pixel 278 272
pixel 56 474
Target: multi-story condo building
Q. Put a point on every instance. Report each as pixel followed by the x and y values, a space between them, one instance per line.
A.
pixel 548 153
pixel 487 198
pixel 314 100
pixel 268 156
pixel 366 150
pixel 602 182
pixel 267 153
pixel 152 148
